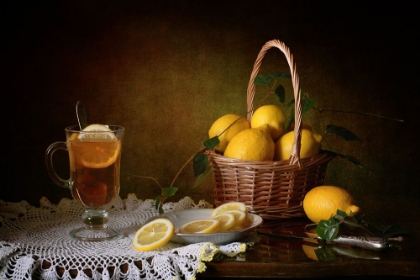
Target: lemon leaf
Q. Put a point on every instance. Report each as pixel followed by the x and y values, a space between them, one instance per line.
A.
pixel 327 229
pixel 280 93
pixel 200 179
pixel 169 191
pixel 158 203
pixel 211 143
pixel 351 159
pixel 200 163
pixel 307 104
pixel 341 132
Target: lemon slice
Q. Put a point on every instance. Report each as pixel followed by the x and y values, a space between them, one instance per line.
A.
pixel 153 235
pixel 226 221
pixel 229 206
pixel 200 226
pixel 95 147
pixel 102 134
pixel 239 216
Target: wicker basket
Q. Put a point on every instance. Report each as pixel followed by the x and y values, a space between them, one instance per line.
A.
pixel 271 189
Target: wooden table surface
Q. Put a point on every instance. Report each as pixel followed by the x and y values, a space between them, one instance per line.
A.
pixel 286 257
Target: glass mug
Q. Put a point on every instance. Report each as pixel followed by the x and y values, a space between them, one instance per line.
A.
pixel 94 182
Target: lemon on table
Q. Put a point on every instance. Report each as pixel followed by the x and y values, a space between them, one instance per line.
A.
pixel 322 202
pixel 234 205
pixel 226 220
pixel 252 144
pixel 226 127
pixel 200 226
pixel 310 145
pixel 272 115
pixel 153 235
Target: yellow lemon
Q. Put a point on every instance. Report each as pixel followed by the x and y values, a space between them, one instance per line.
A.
pixel 153 235
pixel 200 226
pixel 310 145
pixel 322 202
pixel 226 127
pixel 272 115
pixel 252 144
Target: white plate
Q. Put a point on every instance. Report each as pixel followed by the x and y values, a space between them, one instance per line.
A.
pixel 178 218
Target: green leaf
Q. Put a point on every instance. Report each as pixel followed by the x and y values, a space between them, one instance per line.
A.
pixel 158 202
pixel 279 75
pixel 262 80
pixel 327 229
pixel 200 162
pixel 340 215
pixel 200 179
pixel 169 191
pixel 342 132
pixel 211 143
pixel 280 93
pixel 265 80
pixel 351 159
pixel 289 119
pixel 307 105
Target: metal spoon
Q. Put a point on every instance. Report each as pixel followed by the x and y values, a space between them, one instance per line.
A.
pixel 81 115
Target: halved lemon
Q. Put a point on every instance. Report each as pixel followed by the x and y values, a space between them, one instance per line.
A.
pixel 153 235
pixel 229 206
pixel 226 221
pixel 200 226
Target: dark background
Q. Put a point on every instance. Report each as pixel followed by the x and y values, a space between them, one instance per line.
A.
pixel 165 70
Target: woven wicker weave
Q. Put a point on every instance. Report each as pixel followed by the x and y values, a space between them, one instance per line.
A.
pixel 271 189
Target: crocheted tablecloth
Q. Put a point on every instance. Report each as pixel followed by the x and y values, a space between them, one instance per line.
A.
pixel 35 244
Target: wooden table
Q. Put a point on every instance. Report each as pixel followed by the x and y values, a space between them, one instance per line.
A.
pixel 286 257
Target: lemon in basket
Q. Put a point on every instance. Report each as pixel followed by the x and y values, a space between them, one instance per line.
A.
pixel 252 144
pixel 322 202
pixel 272 115
pixel 310 145
pixel 226 127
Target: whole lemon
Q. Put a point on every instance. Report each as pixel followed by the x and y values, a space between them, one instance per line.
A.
pixel 310 145
pixel 226 127
pixel 322 202
pixel 272 115
pixel 251 144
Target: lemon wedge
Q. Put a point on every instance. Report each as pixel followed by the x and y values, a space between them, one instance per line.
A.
pixel 153 235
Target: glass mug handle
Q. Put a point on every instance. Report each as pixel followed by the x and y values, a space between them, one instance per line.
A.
pixel 50 167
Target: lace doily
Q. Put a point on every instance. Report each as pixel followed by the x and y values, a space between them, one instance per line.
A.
pixel 35 244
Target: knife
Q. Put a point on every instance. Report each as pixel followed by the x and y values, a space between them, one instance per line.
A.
pixel 297 230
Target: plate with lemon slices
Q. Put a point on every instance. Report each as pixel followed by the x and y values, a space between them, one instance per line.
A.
pixel 219 226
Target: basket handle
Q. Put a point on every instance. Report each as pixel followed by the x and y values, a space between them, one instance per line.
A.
pixel 295 153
